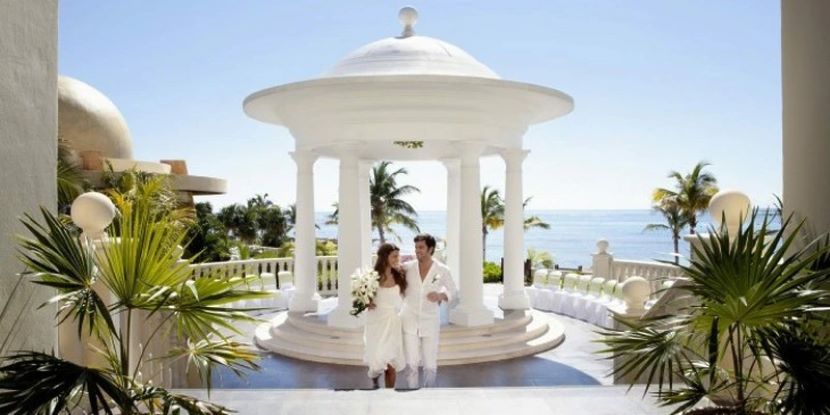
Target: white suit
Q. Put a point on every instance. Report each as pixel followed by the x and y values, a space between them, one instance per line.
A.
pixel 420 318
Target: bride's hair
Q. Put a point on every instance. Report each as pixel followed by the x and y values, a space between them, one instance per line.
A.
pixel 383 261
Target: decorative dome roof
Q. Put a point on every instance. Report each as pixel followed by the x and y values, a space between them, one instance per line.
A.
pixel 408 54
pixel 413 55
pixel 89 121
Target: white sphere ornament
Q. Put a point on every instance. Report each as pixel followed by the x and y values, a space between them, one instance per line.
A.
pixel 92 212
pixel 408 16
pixel 636 291
pixel 602 246
pixel 729 208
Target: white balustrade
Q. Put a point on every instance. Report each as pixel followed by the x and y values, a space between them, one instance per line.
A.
pixel 326 270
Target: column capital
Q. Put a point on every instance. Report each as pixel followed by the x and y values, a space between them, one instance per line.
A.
pixel 348 150
pixel 470 150
pixel 514 155
pixel 452 164
pixel 304 156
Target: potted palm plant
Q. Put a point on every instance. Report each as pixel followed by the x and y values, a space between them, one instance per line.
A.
pixel 142 275
pixel 753 339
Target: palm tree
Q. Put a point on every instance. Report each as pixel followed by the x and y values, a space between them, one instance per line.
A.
pixel 492 215
pixel 387 206
pixel 386 199
pixel 146 279
pixel 675 222
pixel 754 335
pixel 533 221
pixel 692 191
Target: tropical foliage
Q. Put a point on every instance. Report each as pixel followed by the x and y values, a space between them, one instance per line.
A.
pixel 675 221
pixel 70 179
pixel 143 278
pixel 692 193
pixel 492 215
pixel 540 259
pixel 258 221
pixel 209 241
pixel 388 208
pixel 754 337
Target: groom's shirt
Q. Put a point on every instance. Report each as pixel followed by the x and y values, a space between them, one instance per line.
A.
pixel 420 316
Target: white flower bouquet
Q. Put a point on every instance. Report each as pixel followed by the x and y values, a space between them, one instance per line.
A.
pixel 365 285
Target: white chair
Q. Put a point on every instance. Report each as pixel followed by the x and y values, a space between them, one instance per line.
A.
pixel 578 298
pixel 591 304
pixel 286 279
pixel 540 278
pixel 269 285
pixel 562 299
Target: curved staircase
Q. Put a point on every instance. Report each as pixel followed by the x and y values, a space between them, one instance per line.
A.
pixel 307 337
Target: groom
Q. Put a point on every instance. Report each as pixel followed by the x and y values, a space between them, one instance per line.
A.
pixel 429 283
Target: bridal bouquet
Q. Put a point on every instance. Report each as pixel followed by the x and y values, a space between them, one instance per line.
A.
pixel 364 287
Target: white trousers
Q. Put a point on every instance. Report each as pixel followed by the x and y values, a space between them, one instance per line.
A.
pixel 421 351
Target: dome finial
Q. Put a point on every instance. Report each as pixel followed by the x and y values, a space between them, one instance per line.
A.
pixel 408 16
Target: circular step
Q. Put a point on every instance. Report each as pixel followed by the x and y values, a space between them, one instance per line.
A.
pixel 307 337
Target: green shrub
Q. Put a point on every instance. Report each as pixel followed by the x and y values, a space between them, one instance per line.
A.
pixel 492 272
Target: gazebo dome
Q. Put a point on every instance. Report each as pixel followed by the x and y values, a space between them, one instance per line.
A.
pixel 410 55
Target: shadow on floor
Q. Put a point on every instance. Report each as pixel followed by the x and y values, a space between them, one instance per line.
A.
pixel 282 372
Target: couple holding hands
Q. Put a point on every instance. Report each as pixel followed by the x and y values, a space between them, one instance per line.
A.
pixel 403 320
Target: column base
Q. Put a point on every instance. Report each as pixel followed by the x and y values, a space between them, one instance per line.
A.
pixel 468 317
pixel 514 300
pixel 302 302
pixel 340 317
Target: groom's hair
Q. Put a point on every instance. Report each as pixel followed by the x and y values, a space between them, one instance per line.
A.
pixel 427 239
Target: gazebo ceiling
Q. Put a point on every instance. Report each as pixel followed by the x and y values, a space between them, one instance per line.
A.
pixel 407 88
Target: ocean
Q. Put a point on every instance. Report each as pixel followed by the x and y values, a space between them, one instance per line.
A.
pixel 571 238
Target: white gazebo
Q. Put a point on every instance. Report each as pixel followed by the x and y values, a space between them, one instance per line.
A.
pixel 409 97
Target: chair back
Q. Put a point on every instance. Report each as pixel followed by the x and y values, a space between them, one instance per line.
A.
pixel 569 283
pixel 582 284
pixel 608 288
pixel 269 281
pixel 540 278
pixel 286 279
pixel 595 289
pixel 555 280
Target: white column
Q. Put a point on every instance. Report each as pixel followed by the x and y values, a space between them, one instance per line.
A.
pixel 514 296
pixel 452 236
pixel 305 250
pixel 805 34
pixel 349 234
pixel 365 169
pixel 471 310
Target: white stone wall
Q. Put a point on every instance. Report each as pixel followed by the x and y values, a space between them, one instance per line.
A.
pixel 28 150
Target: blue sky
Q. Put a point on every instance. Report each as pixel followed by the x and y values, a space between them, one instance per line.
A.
pixel 658 85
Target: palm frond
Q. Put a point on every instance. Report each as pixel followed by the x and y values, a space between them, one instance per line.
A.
pixel 163 402
pixel 207 354
pixel 39 383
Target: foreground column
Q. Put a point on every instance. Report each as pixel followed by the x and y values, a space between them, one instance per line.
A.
pixel 453 216
pixel 348 237
pixel 471 310
pixel 805 35
pixel 305 249
pixel 514 297
pixel 366 251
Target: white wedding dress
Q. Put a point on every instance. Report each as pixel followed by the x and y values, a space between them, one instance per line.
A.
pixel 382 335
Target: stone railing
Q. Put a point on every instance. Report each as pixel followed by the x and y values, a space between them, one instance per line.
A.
pixel 605 265
pixel 326 270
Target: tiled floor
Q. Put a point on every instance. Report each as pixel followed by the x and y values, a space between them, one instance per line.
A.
pixel 574 363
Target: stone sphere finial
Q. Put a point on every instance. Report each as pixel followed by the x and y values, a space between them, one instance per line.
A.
pixel 732 206
pixel 92 212
pixel 636 291
pixel 602 246
pixel 408 16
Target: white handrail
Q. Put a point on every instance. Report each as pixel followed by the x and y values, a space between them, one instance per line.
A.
pixel 326 270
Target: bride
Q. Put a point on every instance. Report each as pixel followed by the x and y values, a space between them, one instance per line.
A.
pixel 382 334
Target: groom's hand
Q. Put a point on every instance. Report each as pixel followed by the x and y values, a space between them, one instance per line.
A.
pixel 435 297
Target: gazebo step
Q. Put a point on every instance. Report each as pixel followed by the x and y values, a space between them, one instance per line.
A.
pixel 542 333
